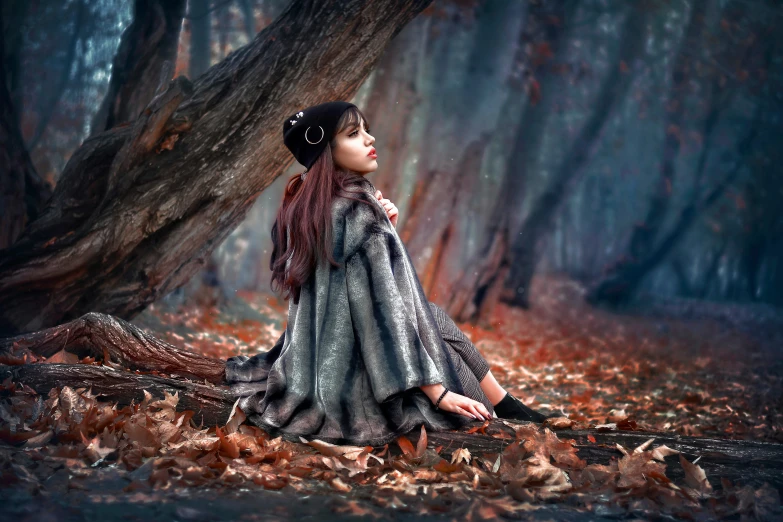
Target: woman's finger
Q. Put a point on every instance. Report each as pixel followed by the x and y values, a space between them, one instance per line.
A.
pixel 471 409
pixel 480 410
pixel 464 412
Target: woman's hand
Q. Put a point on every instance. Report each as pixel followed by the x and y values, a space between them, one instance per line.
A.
pixel 391 210
pixel 456 403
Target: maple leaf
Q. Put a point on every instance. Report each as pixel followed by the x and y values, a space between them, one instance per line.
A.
pixel 461 454
pixel 634 466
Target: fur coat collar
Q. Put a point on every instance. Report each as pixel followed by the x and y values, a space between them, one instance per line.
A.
pixel 357 346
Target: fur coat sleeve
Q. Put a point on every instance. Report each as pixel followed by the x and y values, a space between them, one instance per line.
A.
pixel 356 348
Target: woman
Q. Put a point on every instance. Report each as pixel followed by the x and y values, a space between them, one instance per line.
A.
pixel 365 357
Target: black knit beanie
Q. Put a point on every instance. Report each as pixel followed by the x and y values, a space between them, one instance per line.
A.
pixel 308 132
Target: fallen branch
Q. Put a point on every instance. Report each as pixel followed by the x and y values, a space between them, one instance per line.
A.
pixel 211 404
pixel 749 462
pixel 117 343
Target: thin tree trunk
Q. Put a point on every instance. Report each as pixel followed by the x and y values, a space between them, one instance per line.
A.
pixel 474 294
pixel 643 237
pixel 22 191
pixel 50 104
pixel 712 270
pixel 148 42
pixel 622 284
pixel 248 18
pixel 139 208
pixel 525 244
pixel 200 17
pixel 619 286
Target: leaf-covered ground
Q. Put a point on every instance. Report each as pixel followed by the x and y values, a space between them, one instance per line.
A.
pixel 69 456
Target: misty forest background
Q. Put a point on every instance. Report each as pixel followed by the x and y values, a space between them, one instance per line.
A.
pixel 591 189
pixel 633 147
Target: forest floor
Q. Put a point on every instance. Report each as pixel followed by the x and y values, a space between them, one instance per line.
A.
pixel 73 457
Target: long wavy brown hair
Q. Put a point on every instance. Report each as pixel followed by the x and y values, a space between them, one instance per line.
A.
pixel 304 220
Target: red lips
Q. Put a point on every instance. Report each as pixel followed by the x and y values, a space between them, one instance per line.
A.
pixel 372 152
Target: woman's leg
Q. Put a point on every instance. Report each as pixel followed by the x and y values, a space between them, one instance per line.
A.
pixel 469 354
pixel 492 389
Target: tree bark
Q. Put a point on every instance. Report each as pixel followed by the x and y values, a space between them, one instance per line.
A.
pixel 525 249
pixel 139 208
pixel 746 462
pixel 22 191
pixel 118 344
pixel 149 41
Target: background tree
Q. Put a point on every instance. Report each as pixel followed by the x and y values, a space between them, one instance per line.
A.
pixel 139 208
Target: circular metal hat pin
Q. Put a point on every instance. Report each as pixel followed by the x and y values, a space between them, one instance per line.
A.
pixel 319 140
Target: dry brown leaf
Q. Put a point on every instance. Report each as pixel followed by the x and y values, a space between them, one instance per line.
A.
pixel 407 448
pixel 339 485
pixel 643 446
pixel 349 452
pixel 659 452
pixel 559 423
pixel 421 445
pixel 634 467
pixel 695 477
pixel 236 418
pixel 460 454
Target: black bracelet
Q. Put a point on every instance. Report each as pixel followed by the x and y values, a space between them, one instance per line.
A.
pixel 441 396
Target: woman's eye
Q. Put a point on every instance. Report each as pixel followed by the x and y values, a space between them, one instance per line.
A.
pixel 357 132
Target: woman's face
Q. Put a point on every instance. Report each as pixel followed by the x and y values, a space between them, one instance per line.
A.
pixel 352 150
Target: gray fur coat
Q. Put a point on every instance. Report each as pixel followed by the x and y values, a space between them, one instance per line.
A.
pixel 357 346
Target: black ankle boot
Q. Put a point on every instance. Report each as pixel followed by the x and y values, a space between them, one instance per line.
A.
pixel 512 408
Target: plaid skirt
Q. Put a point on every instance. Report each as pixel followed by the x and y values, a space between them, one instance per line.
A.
pixel 470 364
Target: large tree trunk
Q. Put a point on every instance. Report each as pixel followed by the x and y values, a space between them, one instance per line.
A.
pixel 747 461
pixel 461 116
pixel 524 254
pixel 139 208
pixel 391 102
pixel 22 191
pixel 472 296
pixel 147 43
